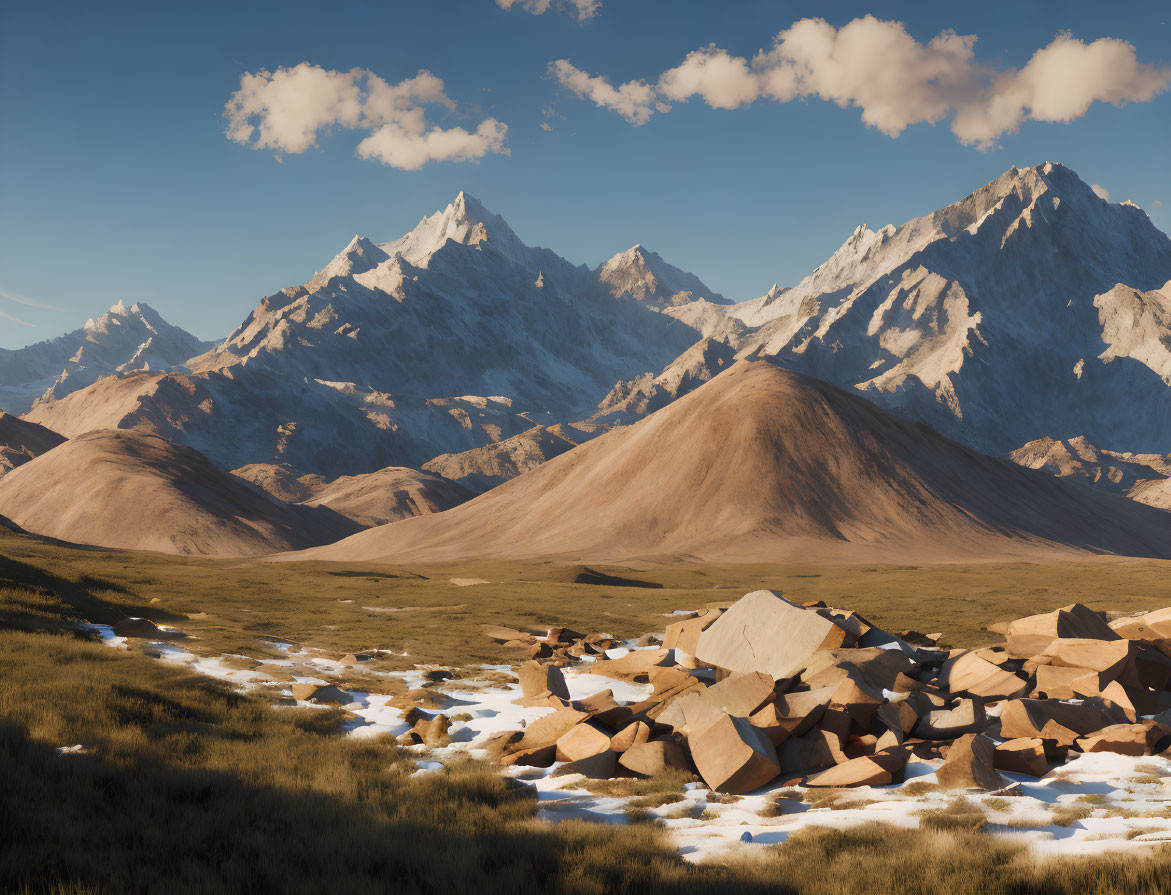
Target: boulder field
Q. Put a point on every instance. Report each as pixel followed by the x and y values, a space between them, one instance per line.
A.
pixel 768 692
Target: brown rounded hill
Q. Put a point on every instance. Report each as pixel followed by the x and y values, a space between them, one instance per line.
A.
pixel 765 465
pixel 112 488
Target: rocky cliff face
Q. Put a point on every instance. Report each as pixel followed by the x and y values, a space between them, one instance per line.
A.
pixel 1031 307
pixel 454 336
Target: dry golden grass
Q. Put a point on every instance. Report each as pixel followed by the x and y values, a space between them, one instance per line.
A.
pixel 188 786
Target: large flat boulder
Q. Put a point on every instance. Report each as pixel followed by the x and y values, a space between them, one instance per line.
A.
pixel 1061 721
pixel 969 673
pixel 872 668
pixel 739 694
pixel 655 756
pixel 764 632
pixel 1142 738
pixel 733 756
pixel 878 769
pixel 582 741
pixel 965 717
pixel 1030 636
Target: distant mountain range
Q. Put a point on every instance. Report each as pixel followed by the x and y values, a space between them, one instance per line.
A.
pixel 763 464
pixel 1031 308
pixel 124 338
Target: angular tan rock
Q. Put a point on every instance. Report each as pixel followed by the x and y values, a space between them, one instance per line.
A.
pixel 738 694
pixel 582 741
pixel 1030 636
pixel 764 632
pixel 630 735
pixel 966 717
pixel 548 729
pixel 821 747
pixel 534 757
pixel 1143 738
pixel 800 711
pixel 1108 658
pixel 433 732
pixel 603 708
pixel 600 766
pixel 654 756
pixel 668 678
pixel 1024 755
pixel 1061 721
pixel 684 635
pixel 1063 682
pixel 733 756
pixel 1153 627
pixel 970 764
pixel 633 663
pixel 878 769
pixel 968 673
pixel 1121 697
pixel 871 668
pixel 859 702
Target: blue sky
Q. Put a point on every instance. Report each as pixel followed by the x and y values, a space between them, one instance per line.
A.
pixel 117 179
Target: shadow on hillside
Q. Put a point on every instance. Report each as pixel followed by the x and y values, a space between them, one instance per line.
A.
pixel 82 822
pixel 593 576
pixel 37 599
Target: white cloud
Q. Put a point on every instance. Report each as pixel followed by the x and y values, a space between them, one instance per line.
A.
pixel 634 100
pixel 285 110
pixel 30 302
pixel 11 319
pixel 1100 191
pixel 1158 203
pixel 582 10
pixel 878 67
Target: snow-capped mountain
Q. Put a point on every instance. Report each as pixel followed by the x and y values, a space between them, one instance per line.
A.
pixel 1028 308
pixel 122 339
pixel 454 336
pixel 644 276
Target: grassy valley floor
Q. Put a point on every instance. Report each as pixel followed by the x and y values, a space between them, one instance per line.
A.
pixel 188 786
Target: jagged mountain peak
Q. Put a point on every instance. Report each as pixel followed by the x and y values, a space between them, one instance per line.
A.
pixel 466 221
pixel 643 275
pixel 360 256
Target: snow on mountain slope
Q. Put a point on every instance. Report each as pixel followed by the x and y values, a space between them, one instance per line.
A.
pixel 122 339
pixel 392 354
pixel 1142 477
pixel 1023 309
pixel 1137 325
pixel 644 276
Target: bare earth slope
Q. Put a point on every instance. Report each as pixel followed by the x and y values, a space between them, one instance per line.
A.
pixel 389 495
pixel 121 489
pixel 21 441
pixel 762 464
